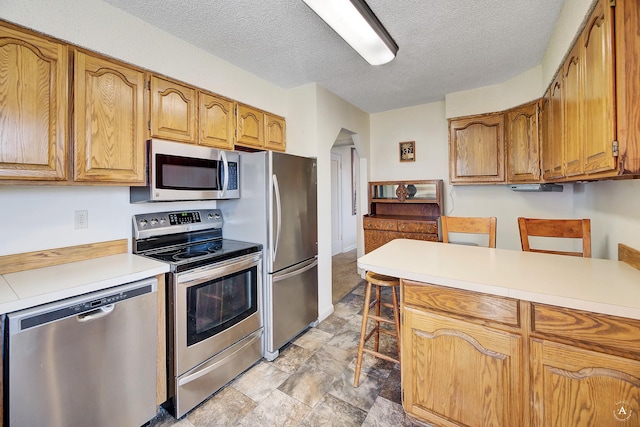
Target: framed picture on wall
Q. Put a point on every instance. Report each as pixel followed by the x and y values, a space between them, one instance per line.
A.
pixel 408 151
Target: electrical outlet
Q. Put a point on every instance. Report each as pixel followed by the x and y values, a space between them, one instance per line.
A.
pixel 81 219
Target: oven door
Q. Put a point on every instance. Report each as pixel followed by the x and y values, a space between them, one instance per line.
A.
pixel 215 307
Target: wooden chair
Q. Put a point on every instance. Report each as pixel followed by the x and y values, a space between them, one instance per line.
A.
pixel 563 228
pixel 629 255
pixel 469 225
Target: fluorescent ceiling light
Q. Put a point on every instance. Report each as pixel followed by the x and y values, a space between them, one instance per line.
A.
pixel 358 26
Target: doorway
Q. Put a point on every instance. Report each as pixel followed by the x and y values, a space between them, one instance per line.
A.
pixel 344 211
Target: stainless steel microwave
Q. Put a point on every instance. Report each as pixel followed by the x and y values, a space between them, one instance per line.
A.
pixel 178 171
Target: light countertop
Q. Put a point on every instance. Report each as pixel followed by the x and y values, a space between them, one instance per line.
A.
pixel 42 285
pixel 596 285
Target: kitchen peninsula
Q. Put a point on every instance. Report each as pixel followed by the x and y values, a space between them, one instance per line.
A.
pixel 501 337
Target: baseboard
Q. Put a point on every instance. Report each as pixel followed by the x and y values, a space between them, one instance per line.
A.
pixel 326 314
pixel 349 248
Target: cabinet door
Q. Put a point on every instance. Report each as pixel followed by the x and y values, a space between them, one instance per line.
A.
pixel 553 165
pixel 459 373
pixel 108 117
pixel 216 121
pixel 598 90
pixel 275 133
pixel 573 132
pixel 173 110
pixel 522 144
pixel 34 93
pixel 577 387
pixel 249 126
pixel 544 132
pixel 476 149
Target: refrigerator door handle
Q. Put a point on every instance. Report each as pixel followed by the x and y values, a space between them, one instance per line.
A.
pixel 276 193
pixel 225 172
pixel 287 274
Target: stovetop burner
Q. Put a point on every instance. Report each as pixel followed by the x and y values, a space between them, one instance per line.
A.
pixel 185 240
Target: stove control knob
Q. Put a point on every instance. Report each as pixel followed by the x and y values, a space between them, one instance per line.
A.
pixel 214 216
pixel 154 221
pixel 163 220
pixel 143 223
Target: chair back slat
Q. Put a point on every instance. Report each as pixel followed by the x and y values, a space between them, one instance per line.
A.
pixel 560 228
pixel 469 225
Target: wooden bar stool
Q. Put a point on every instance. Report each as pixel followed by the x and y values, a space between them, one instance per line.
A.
pixel 379 281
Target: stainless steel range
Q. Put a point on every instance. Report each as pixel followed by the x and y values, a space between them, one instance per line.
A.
pixel 214 320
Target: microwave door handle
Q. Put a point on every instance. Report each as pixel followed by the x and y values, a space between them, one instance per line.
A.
pixel 276 193
pixel 225 173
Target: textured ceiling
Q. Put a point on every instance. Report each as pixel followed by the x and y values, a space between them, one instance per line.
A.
pixel 445 46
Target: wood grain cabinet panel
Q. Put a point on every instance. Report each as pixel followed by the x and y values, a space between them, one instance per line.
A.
pixel 523 154
pixel 249 126
pixel 109 131
pixel 173 110
pixel 275 133
pixel 476 149
pixel 578 387
pixel 462 303
pixel 553 167
pixel 598 91
pixel 572 104
pixel 458 373
pixel 217 121
pixel 34 89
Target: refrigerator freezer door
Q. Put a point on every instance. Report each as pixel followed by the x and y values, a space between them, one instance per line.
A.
pixel 294 206
pixel 293 295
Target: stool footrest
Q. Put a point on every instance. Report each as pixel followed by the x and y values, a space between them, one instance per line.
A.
pixel 380 319
pixel 380 355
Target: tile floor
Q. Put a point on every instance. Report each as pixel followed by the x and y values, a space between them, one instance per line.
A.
pixel 310 383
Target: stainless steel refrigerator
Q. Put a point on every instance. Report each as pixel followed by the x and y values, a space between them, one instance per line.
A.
pixel 278 208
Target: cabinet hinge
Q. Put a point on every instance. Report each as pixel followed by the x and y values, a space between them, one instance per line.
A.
pixel 149 84
pixel 612 3
pixel 149 125
pixel 614 148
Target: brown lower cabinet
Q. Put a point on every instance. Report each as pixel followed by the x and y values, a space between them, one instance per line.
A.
pixel 472 359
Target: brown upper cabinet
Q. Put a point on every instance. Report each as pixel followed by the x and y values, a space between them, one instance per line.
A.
pixel 34 107
pixel 523 154
pixel 598 91
pixel 476 149
pixel 573 130
pixel 217 121
pixel 249 126
pixel 173 110
pixel 553 152
pixel 108 121
pixel 275 132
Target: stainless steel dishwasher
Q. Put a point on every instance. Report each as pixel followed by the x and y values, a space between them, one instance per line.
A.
pixel 86 360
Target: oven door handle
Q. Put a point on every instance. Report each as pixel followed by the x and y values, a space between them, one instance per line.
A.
pixel 208 369
pixel 193 278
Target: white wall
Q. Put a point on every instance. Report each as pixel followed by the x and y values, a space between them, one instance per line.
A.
pixel 614 210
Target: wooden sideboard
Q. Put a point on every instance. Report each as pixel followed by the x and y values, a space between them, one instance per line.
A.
pixel 402 210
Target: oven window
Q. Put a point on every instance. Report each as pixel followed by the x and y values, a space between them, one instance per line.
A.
pixel 183 173
pixel 220 303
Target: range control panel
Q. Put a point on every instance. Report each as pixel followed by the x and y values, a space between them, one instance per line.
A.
pixel 161 223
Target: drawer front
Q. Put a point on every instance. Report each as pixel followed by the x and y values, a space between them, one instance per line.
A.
pixel 418 236
pixel 461 303
pixel 380 224
pixel 600 329
pixel 418 226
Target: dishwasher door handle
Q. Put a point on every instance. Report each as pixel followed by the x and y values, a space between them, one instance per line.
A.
pixel 95 314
